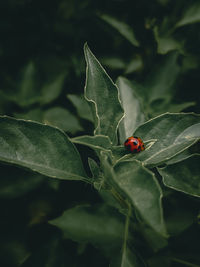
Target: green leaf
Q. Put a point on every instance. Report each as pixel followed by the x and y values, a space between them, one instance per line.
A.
pixel 124 29
pixel 94 168
pixel 97 224
pixel 183 176
pixel 30 90
pixel 173 133
pixel 115 63
pixel 27 94
pixel 52 90
pixel 139 185
pixel 97 142
pixel 128 256
pixel 82 106
pixel 108 198
pixel 35 114
pixel 179 157
pixel 191 15
pixel 184 262
pixel 143 190
pixel 166 42
pixel 173 108
pixel 134 115
pixel 56 116
pixel 165 37
pixel 103 95
pixel 41 148
pixel 161 81
pixel 63 119
pixel 135 64
pixel 119 152
pixel 153 239
pixel 162 105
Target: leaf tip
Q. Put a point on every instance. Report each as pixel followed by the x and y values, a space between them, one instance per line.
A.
pixel 85 45
pixel 86 49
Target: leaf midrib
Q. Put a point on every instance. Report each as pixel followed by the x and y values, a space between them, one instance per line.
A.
pixel 188 142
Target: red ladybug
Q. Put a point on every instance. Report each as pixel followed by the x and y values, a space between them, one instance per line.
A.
pixel 134 144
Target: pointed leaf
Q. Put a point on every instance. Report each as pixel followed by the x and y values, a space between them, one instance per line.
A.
pixel 183 176
pixel 94 168
pixel 122 28
pixel 134 115
pixel 167 44
pixel 98 225
pixel 179 107
pixel 82 106
pixel 97 142
pixel 173 133
pixel 63 119
pixel 163 34
pixel 161 81
pixel 34 114
pixel 179 157
pixel 135 64
pixel 39 147
pixel 103 94
pixel 30 90
pixel 142 188
pixel 51 91
pixel 162 105
pixel 115 63
pixel 27 88
pixel 191 15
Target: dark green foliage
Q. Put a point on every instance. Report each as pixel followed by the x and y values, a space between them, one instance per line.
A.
pixel 70 194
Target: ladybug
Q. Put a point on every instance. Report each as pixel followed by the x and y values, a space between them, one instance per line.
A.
pixel 134 144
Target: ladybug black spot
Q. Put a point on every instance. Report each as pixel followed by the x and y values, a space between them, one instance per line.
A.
pixel 135 142
pixel 128 147
pixel 139 147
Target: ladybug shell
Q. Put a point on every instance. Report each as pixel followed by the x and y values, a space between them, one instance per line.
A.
pixel 134 144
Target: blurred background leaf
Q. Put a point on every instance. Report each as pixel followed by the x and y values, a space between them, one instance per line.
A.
pixel 155 46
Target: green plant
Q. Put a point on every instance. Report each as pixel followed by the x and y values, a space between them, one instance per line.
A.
pixel 149 199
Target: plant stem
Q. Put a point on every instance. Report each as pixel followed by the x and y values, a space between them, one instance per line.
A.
pixel 186 263
pixel 126 228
